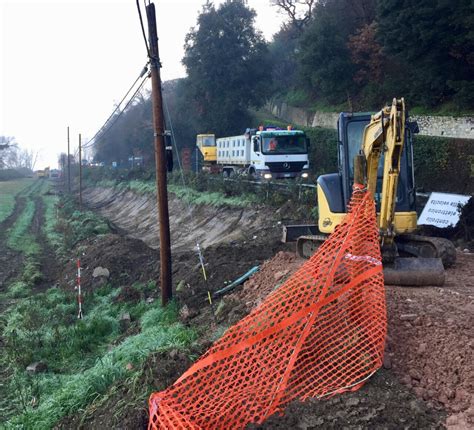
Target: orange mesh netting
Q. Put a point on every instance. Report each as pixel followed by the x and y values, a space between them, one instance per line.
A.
pixel 322 332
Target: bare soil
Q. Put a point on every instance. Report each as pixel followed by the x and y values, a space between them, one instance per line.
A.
pixel 431 342
pixel 430 345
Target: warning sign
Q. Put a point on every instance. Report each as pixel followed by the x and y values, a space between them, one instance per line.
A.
pixel 442 209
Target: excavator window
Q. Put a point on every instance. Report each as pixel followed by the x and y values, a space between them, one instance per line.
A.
pixel 351 130
pixel 355 131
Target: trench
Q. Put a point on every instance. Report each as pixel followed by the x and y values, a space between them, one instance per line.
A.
pixel 136 214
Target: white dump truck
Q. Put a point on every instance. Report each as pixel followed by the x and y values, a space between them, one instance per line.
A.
pixel 267 153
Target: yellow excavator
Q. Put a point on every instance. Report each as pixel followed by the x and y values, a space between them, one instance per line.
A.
pixel 377 152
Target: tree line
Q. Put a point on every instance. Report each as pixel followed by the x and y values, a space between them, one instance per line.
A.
pixel 328 54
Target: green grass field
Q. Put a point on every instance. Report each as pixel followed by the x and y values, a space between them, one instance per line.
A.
pixel 8 191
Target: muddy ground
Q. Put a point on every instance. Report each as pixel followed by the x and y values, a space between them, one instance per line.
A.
pixel 427 379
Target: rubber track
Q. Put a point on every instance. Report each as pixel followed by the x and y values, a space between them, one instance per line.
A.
pixel 444 248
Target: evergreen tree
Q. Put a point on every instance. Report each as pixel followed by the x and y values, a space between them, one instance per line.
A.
pixel 226 59
pixel 327 69
pixel 434 41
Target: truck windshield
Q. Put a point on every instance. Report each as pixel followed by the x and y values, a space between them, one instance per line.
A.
pixel 284 145
pixel 208 141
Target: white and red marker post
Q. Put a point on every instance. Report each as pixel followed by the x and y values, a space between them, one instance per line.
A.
pixel 79 292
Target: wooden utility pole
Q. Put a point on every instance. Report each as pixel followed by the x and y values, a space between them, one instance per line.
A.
pixel 68 164
pixel 160 158
pixel 80 173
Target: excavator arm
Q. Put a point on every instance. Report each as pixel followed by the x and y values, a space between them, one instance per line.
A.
pixel 385 135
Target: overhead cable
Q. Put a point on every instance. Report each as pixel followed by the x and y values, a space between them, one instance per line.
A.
pixel 143 28
pixel 142 73
pixel 107 126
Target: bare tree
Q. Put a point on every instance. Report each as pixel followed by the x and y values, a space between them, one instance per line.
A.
pixel 27 158
pixel 13 157
pixel 300 12
pixel 7 142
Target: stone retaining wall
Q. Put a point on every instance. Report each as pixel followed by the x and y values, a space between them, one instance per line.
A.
pixel 441 126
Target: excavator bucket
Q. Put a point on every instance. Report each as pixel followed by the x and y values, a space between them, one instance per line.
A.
pixel 415 272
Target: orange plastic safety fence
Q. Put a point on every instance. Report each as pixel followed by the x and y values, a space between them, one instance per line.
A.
pixel 322 332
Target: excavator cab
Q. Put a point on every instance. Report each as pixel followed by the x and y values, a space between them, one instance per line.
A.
pixel 335 189
pixel 376 151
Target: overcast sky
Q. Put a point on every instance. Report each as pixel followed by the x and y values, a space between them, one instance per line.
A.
pixel 66 62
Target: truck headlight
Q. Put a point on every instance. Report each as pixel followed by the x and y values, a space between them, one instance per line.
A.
pixel 267 176
pixel 304 175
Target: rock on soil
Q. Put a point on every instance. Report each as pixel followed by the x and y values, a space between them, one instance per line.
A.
pixel 37 367
pixel 101 272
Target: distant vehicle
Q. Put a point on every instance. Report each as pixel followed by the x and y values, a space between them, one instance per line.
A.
pixel 267 153
pixel 55 174
pixel 43 174
pixel 207 145
pixel 135 162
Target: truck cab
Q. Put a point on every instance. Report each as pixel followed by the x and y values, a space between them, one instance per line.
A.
pixel 207 146
pixel 278 154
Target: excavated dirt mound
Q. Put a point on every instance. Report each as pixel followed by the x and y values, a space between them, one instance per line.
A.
pixel 430 348
pixel 383 403
pixel 127 260
pixel 273 273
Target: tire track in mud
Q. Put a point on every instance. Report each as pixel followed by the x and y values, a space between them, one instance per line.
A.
pixel 48 263
pixel 10 260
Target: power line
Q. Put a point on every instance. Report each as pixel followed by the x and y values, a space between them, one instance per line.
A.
pixel 105 129
pixel 143 28
pixel 142 73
